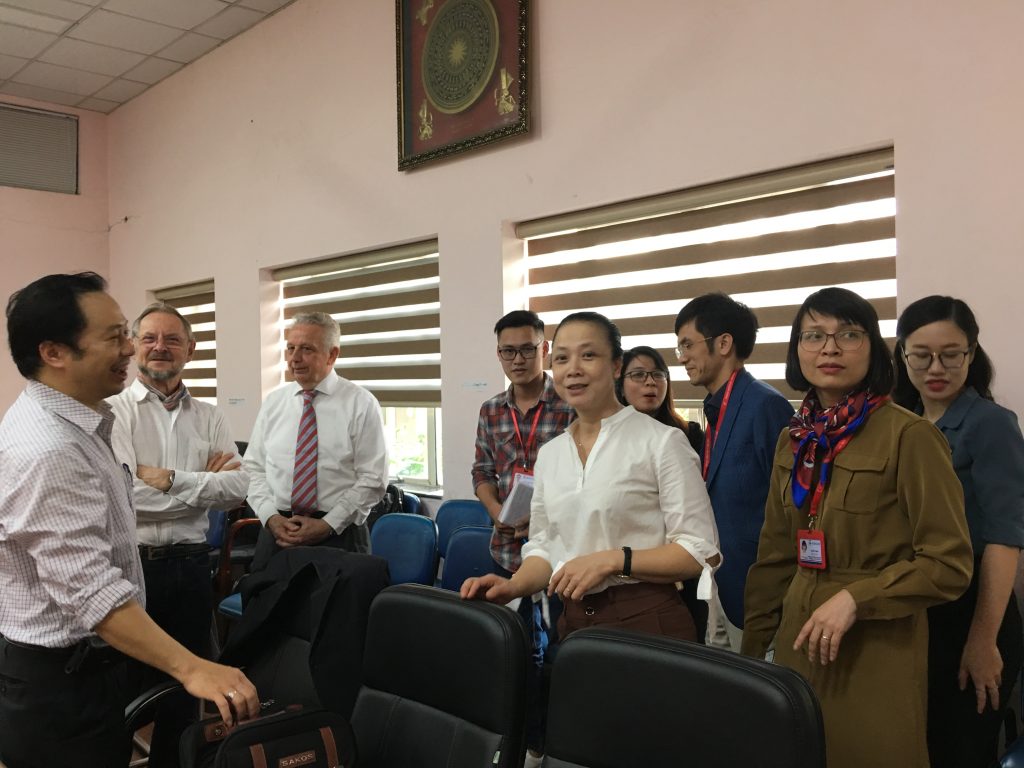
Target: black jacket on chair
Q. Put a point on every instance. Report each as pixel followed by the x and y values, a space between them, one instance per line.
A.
pixel 304 625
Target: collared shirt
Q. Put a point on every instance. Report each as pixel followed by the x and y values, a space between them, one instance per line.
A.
pixel 68 552
pixel 641 487
pixel 498 451
pixel 713 405
pixel 988 457
pixel 183 439
pixel 352 459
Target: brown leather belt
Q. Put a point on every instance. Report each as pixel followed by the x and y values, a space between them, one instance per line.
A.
pixel 172 550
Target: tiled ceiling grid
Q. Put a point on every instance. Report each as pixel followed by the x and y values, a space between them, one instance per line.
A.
pixel 98 54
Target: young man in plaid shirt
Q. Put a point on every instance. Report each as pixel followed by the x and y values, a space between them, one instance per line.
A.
pixel 513 426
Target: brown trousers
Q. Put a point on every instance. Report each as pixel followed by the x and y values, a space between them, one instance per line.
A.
pixel 652 608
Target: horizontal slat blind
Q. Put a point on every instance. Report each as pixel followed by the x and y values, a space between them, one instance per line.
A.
pixel 388 306
pixel 806 228
pixel 196 302
pixel 38 149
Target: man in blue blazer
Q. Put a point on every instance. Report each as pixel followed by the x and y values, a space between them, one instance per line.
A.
pixel 715 335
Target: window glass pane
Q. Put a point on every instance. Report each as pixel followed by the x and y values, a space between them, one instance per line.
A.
pixel 407 431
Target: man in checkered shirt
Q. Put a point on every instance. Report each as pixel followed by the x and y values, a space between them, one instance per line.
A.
pixel 71 585
pixel 513 425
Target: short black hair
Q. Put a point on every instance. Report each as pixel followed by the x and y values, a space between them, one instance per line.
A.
pixel 519 318
pixel 848 307
pixel 611 330
pixel 933 309
pixel 716 313
pixel 47 310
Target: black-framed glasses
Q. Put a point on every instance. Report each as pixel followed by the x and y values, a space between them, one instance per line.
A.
pixel 684 347
pixel 849 340
pixel 950 359
pixel 527 352
pixel 640 377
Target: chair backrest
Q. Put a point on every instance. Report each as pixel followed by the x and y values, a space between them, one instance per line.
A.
pixel 458 513
pixel 409 544
pixel 626 699
pixel 444 682
pixel 469 554
pixel 411 503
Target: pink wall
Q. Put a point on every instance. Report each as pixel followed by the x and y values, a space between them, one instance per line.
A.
pixel 280 147
pixel 46 232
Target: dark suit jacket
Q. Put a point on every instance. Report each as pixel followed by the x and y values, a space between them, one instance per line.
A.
pixel 320 596
pixel 738 479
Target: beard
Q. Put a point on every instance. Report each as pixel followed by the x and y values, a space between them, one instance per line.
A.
pixel 167 375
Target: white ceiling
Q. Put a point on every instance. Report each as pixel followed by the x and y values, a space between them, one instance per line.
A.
pixel 98 54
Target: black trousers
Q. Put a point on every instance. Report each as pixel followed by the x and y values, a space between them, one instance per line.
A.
pixel 958 737
pixel 354 538
pixel 51 718
pixel 179 598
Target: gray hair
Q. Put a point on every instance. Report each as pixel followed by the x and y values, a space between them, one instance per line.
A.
pixel 167 309
pixel 332 333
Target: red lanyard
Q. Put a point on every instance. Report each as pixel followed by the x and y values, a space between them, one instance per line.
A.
pixel 709 441
pixel 533 433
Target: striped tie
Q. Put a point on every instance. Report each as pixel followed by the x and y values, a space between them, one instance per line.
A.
pixel 304 498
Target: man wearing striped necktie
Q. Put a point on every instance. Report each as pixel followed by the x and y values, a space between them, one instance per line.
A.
pixel 316 459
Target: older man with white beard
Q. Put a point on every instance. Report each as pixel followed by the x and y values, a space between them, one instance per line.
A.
pixel 184 461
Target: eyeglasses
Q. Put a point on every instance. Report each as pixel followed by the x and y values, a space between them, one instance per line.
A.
pixel 848 341
pixel 949 358
pixel 640 377
pixel 684 347
pixel 509 353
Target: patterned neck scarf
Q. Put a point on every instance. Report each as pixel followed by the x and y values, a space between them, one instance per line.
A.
pixel 818 435
pixel 171 401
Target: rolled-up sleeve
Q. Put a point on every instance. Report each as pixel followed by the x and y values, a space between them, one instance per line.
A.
pixel 689 521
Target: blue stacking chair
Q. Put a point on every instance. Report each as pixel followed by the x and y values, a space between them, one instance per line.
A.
pixel 469 554
pixel 409 544
pixel 458 513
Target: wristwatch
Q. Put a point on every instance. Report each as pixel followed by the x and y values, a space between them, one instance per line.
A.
pixel 171 483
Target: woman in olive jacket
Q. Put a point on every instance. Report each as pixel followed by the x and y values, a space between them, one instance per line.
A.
pixel 859 540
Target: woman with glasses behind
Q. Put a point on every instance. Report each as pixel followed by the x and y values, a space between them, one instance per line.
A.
pixel 864 529
pixel 975 642
pixel 646 385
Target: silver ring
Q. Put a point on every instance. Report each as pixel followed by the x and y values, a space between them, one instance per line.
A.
pixel 824 637
pixel 231 695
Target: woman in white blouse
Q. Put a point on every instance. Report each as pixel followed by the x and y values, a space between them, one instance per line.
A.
pixel 619 509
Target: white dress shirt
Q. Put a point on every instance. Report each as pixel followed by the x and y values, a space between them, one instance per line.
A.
pixel 68 553
pixel 641 488
pixel 352 459
pixel 183 439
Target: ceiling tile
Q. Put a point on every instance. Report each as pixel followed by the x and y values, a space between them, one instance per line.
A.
pixel 189 47
pixel 124 32
pixel 184 14
pixel 32 20
pixel 42 94
pixel 16 41
pixel 267 6
pixel 230 22
pixel 91 57
pixel 61 8
pixel 61 78
pixel 121 90
pixel 9 65
pixel 98 105
pixel 153 70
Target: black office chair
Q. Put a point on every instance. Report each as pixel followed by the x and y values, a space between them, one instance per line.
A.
pixel 444 682
pixel 624 699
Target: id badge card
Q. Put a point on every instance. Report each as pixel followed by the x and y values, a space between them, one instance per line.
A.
pixel 518 470
pixel 810 549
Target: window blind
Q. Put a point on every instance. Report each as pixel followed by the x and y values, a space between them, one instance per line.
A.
pixel 768 241
pixel 387 303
